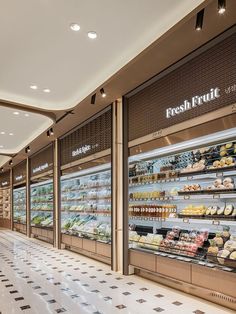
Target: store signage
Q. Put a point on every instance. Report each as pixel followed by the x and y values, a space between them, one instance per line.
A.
pixel 81 151
pixel 40 168
pixel 196 101
pixel 19 178
pixel 5 183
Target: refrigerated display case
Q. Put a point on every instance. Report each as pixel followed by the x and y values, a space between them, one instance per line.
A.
pixel 86 212
pixel 182 216
pixel 42 210
pixel 183 205
pixel 19 209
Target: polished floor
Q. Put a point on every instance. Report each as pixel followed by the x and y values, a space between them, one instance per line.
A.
pixel 36 278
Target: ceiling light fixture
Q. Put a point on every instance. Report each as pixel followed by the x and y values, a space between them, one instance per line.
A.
pixel 3 133
pixel 47 90
pixel 1 146
pixel 92 35
pixel 26 115
pixel 27 150
pixel 221 6
pixel 74 27
pixel 16 113
pixel 93 99
pixel 199 21
pixel 11 134
pixel 103 92
pixel 10 163
pixel 34 87
pixel 50 132
pixel 2 169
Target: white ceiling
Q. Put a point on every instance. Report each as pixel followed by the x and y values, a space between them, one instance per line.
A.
pixel 38 47
pixel 3 160
pixel 17 131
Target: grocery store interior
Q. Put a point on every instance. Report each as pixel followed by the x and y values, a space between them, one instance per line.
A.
pixel 118 156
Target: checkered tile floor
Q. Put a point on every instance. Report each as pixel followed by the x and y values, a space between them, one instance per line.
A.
pixel 36 278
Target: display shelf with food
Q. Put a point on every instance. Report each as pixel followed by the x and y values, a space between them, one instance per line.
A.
pixel 42 204
pixel 193 189
pixel 19 209
pixel 86 212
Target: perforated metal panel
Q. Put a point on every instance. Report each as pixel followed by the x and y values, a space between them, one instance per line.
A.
pixel 19 173
pixel 5 179
pixel 42 161
pixel 92 137
pixel 216 67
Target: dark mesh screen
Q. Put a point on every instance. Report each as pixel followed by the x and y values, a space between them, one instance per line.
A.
pixel 91 138
pixel 216 67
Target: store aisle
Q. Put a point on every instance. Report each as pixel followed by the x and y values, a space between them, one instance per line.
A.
pixel 36 278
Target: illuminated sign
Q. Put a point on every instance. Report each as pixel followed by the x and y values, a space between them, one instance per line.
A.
pixel 40 168
pixel 196 101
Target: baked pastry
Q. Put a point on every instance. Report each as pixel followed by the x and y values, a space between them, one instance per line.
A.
pixel 233 255
pixel 228 210
pixel 221 210
pixel 234 212
pixel 208 211
pixel 217 182
pixel 222 255
pixel 214 210
pixel 230 245
pixel 228 180
pixel 218 240
pixel 229 186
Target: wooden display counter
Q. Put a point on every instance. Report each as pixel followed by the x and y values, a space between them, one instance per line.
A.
pixel 212 284
pixel 19 227
pixel 91 248
pixel 5 223
pixel 44 234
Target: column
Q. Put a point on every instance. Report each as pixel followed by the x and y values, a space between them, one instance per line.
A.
pixel 56 191
pixel 28 210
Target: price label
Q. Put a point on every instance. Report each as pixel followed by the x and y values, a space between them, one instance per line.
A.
pixel 190 178
pixel 186 220
pixel 216 222
pixel 157 134
pixel 216 196
pixel 219 174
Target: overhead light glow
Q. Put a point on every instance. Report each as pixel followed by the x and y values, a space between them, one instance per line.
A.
pixel 221 6
pixel 47 90
pixel 33 86
pixel 16 113
pixel 1 146
pixel 26 115
pixel 92 35
pixel 3 133
pixel 11 134
pixel 199 20
pixel 75 27
pixel 103 92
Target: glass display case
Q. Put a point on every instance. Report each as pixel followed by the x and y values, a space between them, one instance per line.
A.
pixel 42 204
pixel 86 205
pixel 182 205
pixel 86 211
pixel 19 205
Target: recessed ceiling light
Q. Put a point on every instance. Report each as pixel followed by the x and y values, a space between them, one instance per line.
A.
pixel 11 134
pixel 92 35
pixel 1 146
pixel 33 86
pixel 26 115
pixel 3 133
pixel 16 113
pixel 75 27
pixel 47 90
